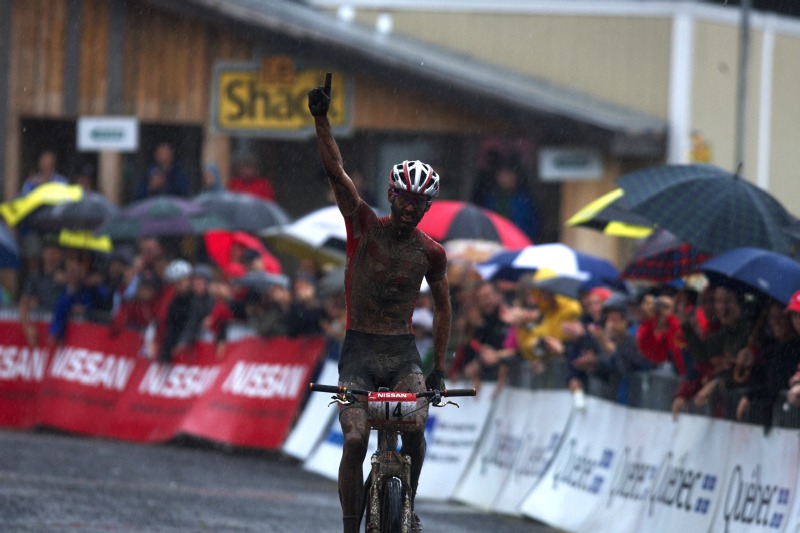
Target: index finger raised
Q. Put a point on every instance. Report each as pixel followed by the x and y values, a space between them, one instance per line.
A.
pixel 328 83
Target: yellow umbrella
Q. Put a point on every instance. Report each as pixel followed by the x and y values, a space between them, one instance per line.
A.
pixel 53 193
pixel 610 215
pixel 85 240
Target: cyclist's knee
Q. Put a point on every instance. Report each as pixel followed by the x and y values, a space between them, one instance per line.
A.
pixel 356 442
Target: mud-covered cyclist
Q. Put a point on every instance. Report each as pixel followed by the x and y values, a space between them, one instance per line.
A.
pixel 387 258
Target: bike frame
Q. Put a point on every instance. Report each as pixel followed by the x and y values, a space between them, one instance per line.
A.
pixel 387 463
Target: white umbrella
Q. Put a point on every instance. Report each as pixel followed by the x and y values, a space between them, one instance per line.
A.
pixel 319 235
pixel 557 257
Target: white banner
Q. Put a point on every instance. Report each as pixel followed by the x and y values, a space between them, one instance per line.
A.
pixel 452 435
pixel 760 482
pixel 548 415
pixel 316 417
pixel 519 435
pixel 575 487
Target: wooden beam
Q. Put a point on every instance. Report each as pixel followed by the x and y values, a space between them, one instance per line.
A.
pixel 5 68
pixel 72 57
pixel 115 57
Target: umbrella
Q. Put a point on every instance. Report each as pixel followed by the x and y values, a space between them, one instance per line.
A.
pixel 471 250
pixel 793 229
pixel 565 285
pixel 611 215
pixel 243 211
pixel 452 219
pixel 9 250
pixel 87 213
pixel 770 273
pixel 219 244
pixel 160 216
pixel 319 235
pixel 662 257
pixel 557 257
pixel 708 207
pixel 258 280
pixel 52 193
pixel 84 240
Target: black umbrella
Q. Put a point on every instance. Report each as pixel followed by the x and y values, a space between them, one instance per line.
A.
pixel 160 216
pixel 243 212
pixel 707 207
pixel 259 280
pixel 92 210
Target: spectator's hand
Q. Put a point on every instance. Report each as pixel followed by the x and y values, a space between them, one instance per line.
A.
pixel 31 334
pixel 575 385
pixel 488 355
pixel 553 345
pixel 745 357
pixel 743 408
pixel 156 181
pixel 319 98
pixel 793 396
pixel 573 329
pixel 595 331
pixel 220 351
pixel 586 362
pixel 678 406
pixel 704 395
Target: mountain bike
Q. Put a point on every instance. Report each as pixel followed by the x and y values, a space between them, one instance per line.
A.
pixel 387 489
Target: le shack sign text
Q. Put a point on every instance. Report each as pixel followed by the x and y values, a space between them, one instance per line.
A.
pixel 250 100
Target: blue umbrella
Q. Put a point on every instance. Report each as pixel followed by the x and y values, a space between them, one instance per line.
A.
pixel 557 257
pixel 9 251
pixel 770 273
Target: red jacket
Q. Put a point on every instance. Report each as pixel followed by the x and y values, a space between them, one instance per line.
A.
pixel 257 186
pixel 661 346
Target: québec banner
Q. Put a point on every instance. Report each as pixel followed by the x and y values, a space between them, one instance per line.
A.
pixel 96 384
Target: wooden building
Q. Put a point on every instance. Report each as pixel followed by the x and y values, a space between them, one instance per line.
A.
pixel 219 77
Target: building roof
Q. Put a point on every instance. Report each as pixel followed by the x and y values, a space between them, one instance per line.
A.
pixel 445 70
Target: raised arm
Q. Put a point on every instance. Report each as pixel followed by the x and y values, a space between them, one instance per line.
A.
pixel 344 190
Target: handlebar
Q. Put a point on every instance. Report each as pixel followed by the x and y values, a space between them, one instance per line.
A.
pixel 336 389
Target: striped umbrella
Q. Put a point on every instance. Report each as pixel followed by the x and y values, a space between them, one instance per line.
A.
pixel 662 257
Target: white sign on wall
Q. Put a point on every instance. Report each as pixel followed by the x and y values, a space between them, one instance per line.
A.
pixel 114 134
pixel 570 164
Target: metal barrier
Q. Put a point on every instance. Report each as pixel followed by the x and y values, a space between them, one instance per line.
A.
pixel 655 390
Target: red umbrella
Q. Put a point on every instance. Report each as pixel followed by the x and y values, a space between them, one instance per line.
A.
pixel 451 219
pixel 220 245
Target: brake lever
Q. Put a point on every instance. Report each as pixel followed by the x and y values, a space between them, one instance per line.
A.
pixel 341 399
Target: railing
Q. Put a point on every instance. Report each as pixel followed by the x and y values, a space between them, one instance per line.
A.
pixel 655 390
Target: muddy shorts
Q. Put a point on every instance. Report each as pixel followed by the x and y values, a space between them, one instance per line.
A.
pixel 370 361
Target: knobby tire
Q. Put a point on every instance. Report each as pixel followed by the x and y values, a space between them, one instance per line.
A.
pixel 392 506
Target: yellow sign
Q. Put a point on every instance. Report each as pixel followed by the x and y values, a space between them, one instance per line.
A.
pixel 246 103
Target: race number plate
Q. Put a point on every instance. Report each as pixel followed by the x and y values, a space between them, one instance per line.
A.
pixel 393 410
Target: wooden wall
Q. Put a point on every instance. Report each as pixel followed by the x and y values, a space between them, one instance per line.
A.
pixel 167 66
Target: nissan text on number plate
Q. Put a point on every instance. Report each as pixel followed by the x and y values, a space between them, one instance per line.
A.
pixel 392 410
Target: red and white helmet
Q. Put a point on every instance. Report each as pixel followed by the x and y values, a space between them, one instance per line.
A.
pixel 416 177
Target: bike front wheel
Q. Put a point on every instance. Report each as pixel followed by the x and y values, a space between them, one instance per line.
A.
pixel 392 506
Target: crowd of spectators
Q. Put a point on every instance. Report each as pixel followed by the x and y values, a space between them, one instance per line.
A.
pixel 730 352
pixel 716 342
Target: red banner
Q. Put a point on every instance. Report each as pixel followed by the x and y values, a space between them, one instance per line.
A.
pixel 96 384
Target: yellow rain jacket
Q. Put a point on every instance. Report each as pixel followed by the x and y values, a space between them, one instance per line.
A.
pixel 555 314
